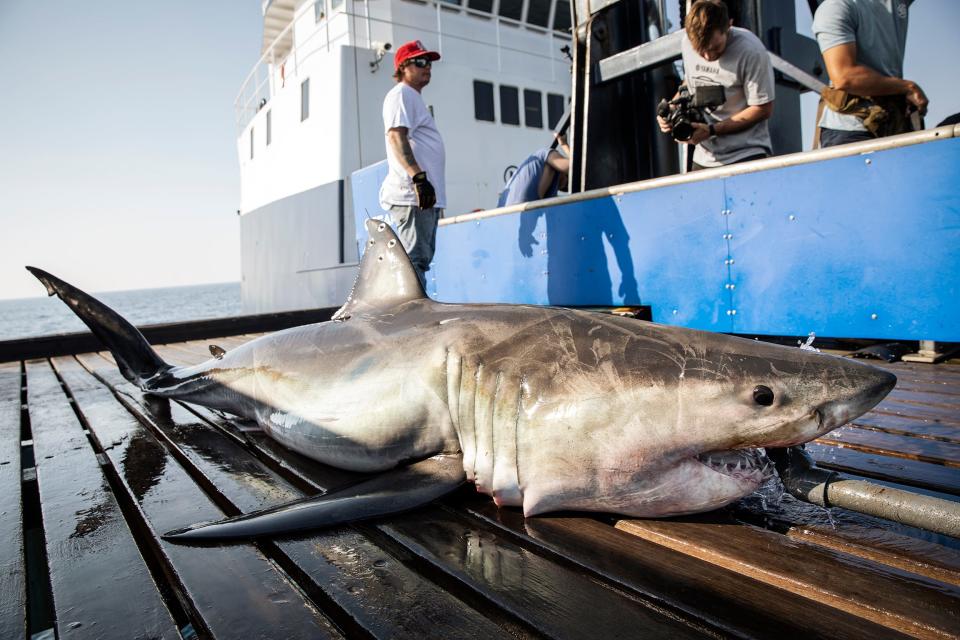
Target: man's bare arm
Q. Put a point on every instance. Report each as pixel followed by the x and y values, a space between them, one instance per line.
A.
pixel 846 74
pixel 739 121
pixel 745 119
pixel 400 143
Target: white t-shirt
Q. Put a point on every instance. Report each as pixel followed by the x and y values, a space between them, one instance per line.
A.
pixel 403 106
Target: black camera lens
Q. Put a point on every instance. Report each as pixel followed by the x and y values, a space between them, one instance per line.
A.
pixel 682 130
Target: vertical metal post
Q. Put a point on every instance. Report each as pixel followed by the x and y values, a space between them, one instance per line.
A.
pixel 366 14
pixel 439 31
pixel 499 60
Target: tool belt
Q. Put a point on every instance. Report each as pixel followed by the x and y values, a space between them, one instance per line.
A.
pixel 881 115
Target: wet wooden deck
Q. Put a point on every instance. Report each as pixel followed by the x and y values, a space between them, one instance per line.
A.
pixel 92 471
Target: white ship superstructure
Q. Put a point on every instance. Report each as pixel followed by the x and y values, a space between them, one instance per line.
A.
pixel 310 113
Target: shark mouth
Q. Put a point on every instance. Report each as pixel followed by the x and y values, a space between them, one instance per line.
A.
pixel 743 465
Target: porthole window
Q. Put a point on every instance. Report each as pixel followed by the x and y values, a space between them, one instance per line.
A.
pixel 561 16
pixel 509 105
pixel 533 108
pixel 483 101
pixel 512 9
pixel 555 109
pixel 538 12
pixel 304 99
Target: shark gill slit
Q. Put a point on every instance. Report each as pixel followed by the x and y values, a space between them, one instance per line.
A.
pixel 466 407
pixel 516 435
pixel 493 430
pixel 479 420
pixel 453 388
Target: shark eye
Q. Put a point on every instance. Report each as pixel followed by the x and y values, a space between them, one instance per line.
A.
pixel 763 395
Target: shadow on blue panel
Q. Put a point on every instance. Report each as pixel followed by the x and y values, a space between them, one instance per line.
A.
pixel 578 266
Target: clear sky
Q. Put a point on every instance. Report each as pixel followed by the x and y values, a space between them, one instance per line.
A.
pixel 118 164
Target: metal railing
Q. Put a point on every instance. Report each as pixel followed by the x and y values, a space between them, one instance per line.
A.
pixel 260 84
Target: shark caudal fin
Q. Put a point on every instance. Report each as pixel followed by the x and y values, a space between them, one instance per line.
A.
pixel 386 278
pixel 138 362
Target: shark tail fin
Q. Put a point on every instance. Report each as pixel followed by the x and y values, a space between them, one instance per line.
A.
pixel 137 360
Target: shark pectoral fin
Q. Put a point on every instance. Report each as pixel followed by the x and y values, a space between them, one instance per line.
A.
pixel 391 492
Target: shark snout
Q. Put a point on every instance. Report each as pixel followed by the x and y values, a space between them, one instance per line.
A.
pixel 874 385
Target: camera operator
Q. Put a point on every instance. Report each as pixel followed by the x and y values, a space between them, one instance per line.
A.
pixel 717 54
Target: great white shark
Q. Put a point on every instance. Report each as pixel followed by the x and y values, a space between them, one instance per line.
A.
pixel 541 408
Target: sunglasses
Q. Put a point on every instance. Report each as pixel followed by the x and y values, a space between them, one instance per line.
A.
pixel 421 63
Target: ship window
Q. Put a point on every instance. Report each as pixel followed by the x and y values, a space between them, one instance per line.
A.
pixel 317 10
pixel 538 12
pixel 269 127
pixel 532 108
pixel 481 5
pixel 512 9
pixel 561 16
pixel 335 4
pixel 251 143
pixel 554 109
pixel 483 101
pixel 304 99
pixel 509 105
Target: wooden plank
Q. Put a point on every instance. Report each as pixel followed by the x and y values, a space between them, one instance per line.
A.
pixel 94 561
pixel 911 604
pixel 552 598
pixel 370 591
pixel 13 591
pixel 226 589
pixel 736 604
pixel 898 446
pixel 908 554
pixel 948 416
pixel 890 543
pixel 900 470
pixel 915 427
pixel 948 392
pixel 912 396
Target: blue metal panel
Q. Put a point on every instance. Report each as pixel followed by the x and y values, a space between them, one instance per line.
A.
pixel 865 246
pixel 860 246
pixel 594 253
pixel 365 186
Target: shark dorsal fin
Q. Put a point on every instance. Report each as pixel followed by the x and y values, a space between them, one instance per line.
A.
pixel 386 278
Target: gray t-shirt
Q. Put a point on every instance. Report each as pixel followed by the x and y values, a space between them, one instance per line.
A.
pixel 745 72
pixel 877 27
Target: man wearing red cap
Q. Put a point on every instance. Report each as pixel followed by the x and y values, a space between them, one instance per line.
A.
pixel 413 190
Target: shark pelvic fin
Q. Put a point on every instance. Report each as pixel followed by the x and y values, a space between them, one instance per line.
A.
pixel 391 492
pixel 386 278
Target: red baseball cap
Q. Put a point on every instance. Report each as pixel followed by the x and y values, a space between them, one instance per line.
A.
pixel 412 49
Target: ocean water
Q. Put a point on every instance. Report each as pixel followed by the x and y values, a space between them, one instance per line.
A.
pixel 30 317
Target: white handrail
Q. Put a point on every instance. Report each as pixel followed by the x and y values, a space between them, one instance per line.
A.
pixel 249 93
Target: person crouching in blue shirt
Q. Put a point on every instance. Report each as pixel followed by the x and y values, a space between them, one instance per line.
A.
pixel 540 176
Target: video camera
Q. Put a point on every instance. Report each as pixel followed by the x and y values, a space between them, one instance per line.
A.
pixel 685 109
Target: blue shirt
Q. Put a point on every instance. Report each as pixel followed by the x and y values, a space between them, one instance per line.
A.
pixel 879 30
pixel 522 186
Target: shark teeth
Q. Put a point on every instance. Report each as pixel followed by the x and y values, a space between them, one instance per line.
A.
pixel 747 464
